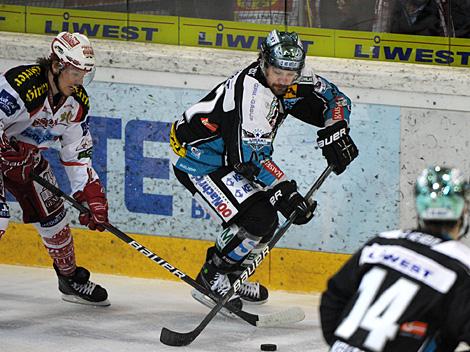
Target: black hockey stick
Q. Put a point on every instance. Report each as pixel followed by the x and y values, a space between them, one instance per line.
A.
pixel 290 315
pixel 174 338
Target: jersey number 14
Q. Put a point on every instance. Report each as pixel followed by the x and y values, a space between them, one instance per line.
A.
pixel 378 315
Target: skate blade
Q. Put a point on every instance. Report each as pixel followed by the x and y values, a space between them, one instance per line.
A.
pixel 253 303
pixel 202 298
pixel 78 300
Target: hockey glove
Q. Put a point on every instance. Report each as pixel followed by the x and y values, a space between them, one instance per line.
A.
pixel 17 163
pixel 287 200
pixel 93 196
pixel 337 146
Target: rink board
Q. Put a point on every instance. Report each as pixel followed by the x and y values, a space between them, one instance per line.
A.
pixel 283 269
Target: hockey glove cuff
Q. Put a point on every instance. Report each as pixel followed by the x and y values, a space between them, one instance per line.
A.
pixel 337 146
pixel 17 163
pixel 93 195
pixel 287 200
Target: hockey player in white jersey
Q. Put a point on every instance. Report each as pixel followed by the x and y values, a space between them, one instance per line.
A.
pixel 407 290
pixel 40 105
pixel 223 154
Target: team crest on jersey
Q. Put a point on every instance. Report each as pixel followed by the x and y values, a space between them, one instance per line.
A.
pixel 257 139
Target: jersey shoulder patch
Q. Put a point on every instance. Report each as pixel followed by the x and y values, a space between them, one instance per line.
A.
pixel 81 96
pixel 30 82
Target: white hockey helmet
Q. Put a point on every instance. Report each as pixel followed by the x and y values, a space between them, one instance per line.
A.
pixel 74 49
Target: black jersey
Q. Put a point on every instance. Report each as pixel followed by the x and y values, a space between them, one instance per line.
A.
pixel 402 291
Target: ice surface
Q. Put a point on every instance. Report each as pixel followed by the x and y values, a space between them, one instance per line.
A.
pixel 34 318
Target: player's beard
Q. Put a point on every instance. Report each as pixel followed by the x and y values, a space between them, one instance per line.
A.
pixel 279 89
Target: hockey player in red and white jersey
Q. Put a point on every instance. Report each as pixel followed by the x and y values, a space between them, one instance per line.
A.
pixel 223 154
pixel 41 105
pixel 407 290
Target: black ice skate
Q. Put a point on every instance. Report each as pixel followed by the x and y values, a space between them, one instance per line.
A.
pixel 219 284
pixel 79 289
pixel 253 293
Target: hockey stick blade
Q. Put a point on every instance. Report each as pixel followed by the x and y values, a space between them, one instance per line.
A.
pixel 174 338
pixel 288 316
pixel 179 339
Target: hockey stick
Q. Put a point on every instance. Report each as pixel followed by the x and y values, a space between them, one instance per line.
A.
pixel 291 315
pixel 173 338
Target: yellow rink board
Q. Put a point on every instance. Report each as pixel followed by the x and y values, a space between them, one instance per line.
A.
pixel 284 269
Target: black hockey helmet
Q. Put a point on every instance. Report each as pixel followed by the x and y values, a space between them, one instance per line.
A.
pixel 283 50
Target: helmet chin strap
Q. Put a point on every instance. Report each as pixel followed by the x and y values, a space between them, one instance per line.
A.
pixel 465 226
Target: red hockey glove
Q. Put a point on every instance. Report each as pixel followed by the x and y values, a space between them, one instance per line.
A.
pixel 17 163
pixel 287 200
pixel 93 196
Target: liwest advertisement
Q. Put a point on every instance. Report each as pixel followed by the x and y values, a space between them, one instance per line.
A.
pixel 235 35
pixel 130 125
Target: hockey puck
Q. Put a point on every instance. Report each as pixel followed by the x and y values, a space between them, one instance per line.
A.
pixel 268 347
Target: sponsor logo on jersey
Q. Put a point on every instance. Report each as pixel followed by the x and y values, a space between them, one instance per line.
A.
pixel 416 328
pixel 338 113
pixel 410 263
pixel 36 92
pixel 39 135
pixel 254 93
pixel 273 169
pixel 85 154
pixel 44 123
pixel 82 96
pixel 27 74
pixel 214 196
pixel 239 186
pixel 8 103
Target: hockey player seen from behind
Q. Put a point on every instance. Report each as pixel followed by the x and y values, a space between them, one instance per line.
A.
pixel 42 105
pixel 223 148
pixel 407 290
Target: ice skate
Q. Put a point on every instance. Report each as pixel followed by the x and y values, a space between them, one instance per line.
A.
pixel 219 284
pixel 79 289
pixel 253 293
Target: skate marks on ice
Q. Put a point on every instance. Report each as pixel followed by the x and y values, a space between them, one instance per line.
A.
pixel 33 317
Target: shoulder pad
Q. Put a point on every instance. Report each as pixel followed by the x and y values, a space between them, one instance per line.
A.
pixel 30 81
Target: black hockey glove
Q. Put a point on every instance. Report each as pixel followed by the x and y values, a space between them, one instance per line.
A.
pixel 286 199
pixel 337 146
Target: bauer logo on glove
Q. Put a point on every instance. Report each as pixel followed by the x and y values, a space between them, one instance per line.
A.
pixel 337 146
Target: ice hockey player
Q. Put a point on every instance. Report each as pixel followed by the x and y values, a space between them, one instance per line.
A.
pixel 223 148
pixel 407 290
pixel 42 105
